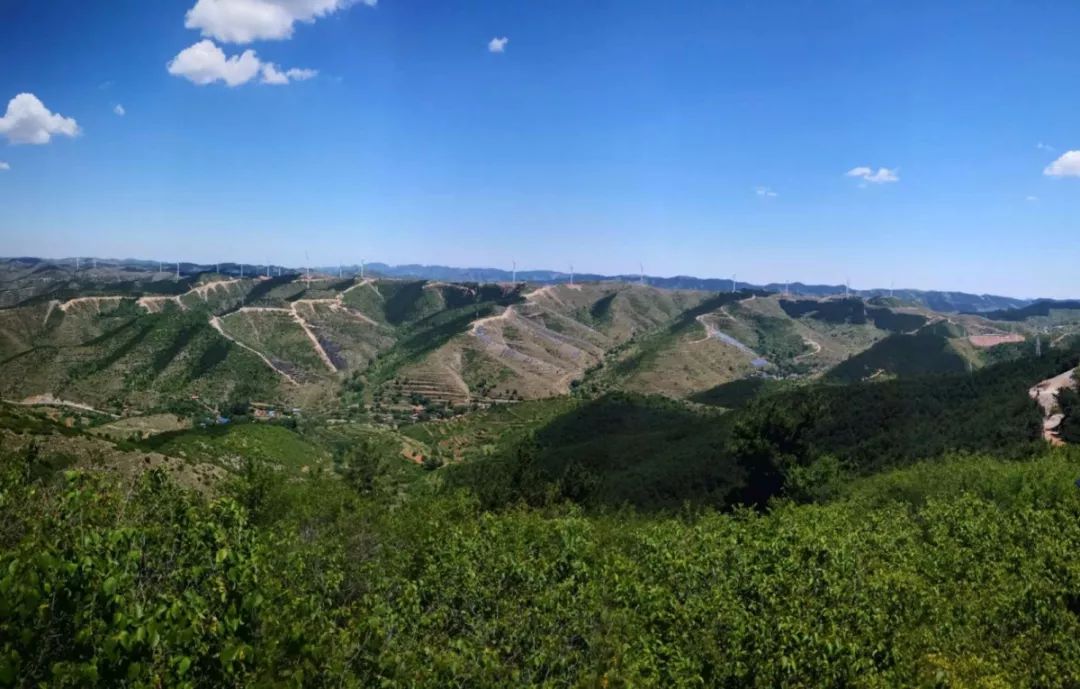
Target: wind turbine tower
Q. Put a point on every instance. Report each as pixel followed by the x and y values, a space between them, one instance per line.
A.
pixel 641 273
pixel 513 272
pixel 178 270
pixel 733 283
pixel 361 269
pixel 571 273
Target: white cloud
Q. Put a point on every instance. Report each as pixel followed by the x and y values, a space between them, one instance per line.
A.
pixel 244 21
pixel 272 75
pixel 28 121
pixel 867 174
pixel 765 192
pixel 4 166
pixel 204 63
pixel 498 45
pixel 1068 165
pixel 119 110
pixel 1032 199
pixel 301 74
pixel 1044 147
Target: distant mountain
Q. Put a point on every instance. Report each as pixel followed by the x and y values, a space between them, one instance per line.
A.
pixel 1040 307
pixel 948 302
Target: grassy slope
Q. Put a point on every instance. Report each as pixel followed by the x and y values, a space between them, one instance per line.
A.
pixel 227 445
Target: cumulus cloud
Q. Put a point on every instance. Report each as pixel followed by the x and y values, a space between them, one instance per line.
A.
pixel 1068 165
pixel 4 166
pixel 205 63
pixel 272 75
pixel 765 192
pixel 28 121
pixel 498 45
pixel 1044 147
pixel 119 110
pixel 867 174
pixel 244 21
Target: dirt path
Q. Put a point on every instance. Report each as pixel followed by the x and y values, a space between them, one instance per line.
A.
pixel 299 320
pixel 365 281
pixel 314 340
pixel 714 333
pixel 52 305
pixel 815 345
pixel 48 400
pixel 1045 393
pixel 336 304
pixel 479 323
pixel 87 300
pixel 204 289
pixel 437 283
pixel 215 323
pixel 153 304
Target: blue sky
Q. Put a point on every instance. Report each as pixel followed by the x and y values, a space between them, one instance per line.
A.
pixel 699 138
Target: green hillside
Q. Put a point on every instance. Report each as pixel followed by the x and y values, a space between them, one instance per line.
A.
pixel 923 353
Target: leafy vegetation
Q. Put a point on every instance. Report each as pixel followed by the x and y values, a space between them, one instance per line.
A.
pixel 923 353
pixel 951 574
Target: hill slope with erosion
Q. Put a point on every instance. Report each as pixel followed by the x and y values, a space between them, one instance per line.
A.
pixel 138 341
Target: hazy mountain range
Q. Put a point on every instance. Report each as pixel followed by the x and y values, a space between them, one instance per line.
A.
pixel 934 299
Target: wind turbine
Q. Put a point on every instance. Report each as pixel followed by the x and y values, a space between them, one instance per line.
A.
pixel 733 282
pixel 307 260
pixel 76 264
pixel 361 269
pixel 847 287
pixel 178 270
pixel 641 273
pixel 571 273
pixel 513 273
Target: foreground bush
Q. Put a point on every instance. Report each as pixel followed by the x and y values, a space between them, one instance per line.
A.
pixel 960 573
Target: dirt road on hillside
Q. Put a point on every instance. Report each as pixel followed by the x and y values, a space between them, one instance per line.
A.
pixel 1045 393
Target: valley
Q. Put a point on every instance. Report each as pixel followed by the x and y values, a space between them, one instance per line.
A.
pixel 348 435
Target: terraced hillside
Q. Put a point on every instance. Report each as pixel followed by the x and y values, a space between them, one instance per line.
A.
pixel 141 341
